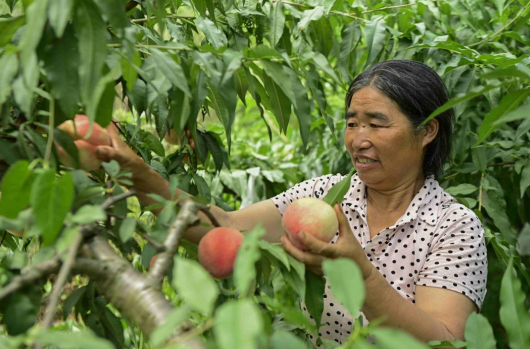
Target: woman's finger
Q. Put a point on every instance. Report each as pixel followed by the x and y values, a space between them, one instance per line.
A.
pixel 316 246
pixel 344 227
pixel 302 256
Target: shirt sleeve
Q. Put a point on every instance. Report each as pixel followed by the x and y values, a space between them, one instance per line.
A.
pixel 458 259
pixel 315 187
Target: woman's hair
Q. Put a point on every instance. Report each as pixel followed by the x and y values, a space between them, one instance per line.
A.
pixel 418 91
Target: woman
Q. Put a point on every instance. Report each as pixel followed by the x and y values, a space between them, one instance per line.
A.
pixel 422 255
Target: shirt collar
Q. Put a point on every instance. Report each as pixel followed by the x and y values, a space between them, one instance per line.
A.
pixel 425 205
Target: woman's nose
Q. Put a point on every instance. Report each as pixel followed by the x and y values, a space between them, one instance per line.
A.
pixel 362 138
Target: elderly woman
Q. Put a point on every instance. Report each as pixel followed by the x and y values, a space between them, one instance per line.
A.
pixel 421 253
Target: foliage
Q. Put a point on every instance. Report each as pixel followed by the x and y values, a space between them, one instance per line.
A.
pixel 232 73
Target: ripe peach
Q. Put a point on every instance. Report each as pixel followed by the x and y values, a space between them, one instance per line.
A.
pixel 218 251
pixel 312 216
pixel 78 129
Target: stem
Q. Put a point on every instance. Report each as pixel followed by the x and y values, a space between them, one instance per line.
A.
pixel 211 217
pixel 114 199
pixel 154 17
pixel 30 275
pixel 491 36
pixel 395 6
pixel 480 192
pixel 61 280
pixel 50 133
pixel 185 218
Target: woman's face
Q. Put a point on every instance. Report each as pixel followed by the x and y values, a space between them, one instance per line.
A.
pixel 380 139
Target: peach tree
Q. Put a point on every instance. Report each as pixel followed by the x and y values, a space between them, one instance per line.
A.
pixel 257 87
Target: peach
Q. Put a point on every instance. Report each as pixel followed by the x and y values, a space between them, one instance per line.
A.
pixel 218 251
pixel 312 216
pixel 78 130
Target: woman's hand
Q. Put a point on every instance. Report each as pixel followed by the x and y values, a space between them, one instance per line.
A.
pixel 346 246
pixel 120 152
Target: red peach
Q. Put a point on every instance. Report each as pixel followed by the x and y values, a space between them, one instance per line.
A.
pixel 218 251
pixel 78 129
pixel 312 216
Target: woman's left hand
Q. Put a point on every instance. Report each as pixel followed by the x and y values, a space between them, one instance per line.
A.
pixel 346 246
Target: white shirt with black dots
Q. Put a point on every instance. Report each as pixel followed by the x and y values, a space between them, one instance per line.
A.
pixel 437 243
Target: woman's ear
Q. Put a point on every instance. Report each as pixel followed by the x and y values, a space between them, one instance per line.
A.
pixel 429 131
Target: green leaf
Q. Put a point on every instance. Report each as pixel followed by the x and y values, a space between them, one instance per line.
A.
pixel 478 333
pixel 171 70
pixel 525 178
pixel 314 295
pixel 127 229
pixel 213 34
pixel 280 104
pixel 520 113
pixel 72 300
pixel 61 63
pixel 375 34
pixel 277 22
pixel 21 309
pixel 284 339
pixel 195 285
pixel 276 252
pixel 36 20
pixel 238 325
pixel 9 64
pixel 113 10
pixel 59 12
pixel 513 314
pixel 51 199
pixel 461 189
pixel 164 332
pixel 82 339
pixel 336 194
pixel 203 187
pixel 321 62
pixel 89 214
pixel 346 282
pixel 508 103
pixel 129 69
pixel 8 27
pixel 310 15
pixel 16 189
pixel 466 97
pixel 394 339
pixel 247 256
pixel 91 35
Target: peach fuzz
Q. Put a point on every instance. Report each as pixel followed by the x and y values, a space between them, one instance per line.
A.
pixel 78 129
pixel 312 216
pixel 218 251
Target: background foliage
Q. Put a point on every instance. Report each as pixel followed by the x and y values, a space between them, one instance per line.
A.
pixel 260 86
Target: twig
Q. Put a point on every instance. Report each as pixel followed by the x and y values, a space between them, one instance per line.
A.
pixel 395 6
pixel 30 275
pixel 211 217
pixel 185 218
pixel 491 36
pixel 154 17
pixel 3 237
pixel 49 143
pixel 114 199
pixel 61 280
pixel 194 332
pixel 502 163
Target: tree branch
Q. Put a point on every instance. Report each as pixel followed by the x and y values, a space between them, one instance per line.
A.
pixel 211 217
pixel 61 280
pixel 30 275
pixel 114 199
pixel 186 217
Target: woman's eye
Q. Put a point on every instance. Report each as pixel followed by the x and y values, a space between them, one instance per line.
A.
pixel 374 126
pixel 352 124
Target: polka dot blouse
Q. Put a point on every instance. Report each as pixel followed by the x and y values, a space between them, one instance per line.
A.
pixel 437 243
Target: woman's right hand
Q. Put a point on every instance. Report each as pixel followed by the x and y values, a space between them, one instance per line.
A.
pixel 121 152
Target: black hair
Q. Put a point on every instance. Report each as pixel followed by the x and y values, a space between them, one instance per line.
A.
pixel 418 91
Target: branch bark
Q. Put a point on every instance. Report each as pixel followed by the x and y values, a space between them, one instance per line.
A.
pixel 186 217
pixel 30 275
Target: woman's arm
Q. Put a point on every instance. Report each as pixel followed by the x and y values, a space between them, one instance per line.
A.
pixel 147 181
pixel 438 314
